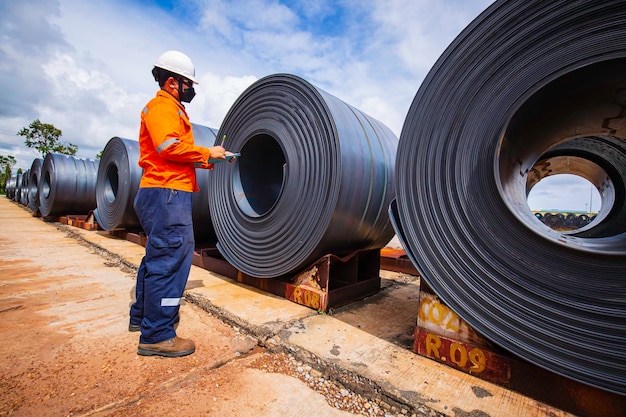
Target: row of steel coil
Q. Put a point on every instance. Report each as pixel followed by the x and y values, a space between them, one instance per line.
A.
pixel 315 177
pixel 530 89
pixel 565 221
pixel 56 185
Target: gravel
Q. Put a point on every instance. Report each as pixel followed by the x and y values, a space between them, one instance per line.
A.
pixel 335 393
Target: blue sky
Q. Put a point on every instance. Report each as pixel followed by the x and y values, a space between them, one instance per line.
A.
pixel 84 66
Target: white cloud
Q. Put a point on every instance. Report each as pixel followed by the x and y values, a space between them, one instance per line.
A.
pixel 215 96
pixel 85 66
pixel 418 31
pixel 564 192
pixel 88 106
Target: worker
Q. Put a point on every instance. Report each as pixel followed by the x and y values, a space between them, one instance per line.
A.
pixel 169 158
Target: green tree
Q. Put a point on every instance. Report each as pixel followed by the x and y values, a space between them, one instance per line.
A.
pixel 6 166
pixel 99 154
pixel 44 138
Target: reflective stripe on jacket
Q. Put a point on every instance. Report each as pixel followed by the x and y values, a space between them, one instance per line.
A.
pixel 168 155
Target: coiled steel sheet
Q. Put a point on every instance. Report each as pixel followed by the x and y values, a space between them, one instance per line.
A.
pixel 10 187
pixel 33 185
pixel 523 78
pixel 24 189
pixel 315 177
pixel 117 184
pixel 18 188
pixel 67 185
pixel 202 225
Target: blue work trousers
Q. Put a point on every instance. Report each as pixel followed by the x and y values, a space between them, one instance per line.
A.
pixel 165 217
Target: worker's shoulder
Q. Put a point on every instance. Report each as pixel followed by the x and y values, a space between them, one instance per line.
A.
pixel 163 97
pixel 161 102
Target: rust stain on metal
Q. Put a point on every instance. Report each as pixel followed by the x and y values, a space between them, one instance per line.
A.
pixel 396 260
pixel 466 357
pixel 438 318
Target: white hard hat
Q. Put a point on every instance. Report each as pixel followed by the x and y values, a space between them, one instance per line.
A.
pixel 178 63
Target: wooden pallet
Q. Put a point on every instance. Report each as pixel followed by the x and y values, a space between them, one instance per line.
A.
pixel 83 221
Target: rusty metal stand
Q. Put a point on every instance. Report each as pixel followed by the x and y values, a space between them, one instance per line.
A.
pixel 136 237
pixel 443 336
pixel 396 260
pixel 329 282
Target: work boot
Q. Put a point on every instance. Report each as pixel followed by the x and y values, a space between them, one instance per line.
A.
pixel 171 348
pixel 137 327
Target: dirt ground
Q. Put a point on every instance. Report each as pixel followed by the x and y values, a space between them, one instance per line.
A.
pixel 67 352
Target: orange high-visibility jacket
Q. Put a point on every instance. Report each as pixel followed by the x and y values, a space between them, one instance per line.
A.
pixel 168 155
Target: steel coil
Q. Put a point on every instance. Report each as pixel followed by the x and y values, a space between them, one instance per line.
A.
pixel 33 184
pixel 203 229
pixel 582 220
pixel 554 221
pixel 10 187
pixel 315 177
pixel 18 188
pixel 117 184
pixel 67 185
pixel 523 78
pixel 24 189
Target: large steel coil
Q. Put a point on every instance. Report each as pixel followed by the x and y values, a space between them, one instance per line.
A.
pixel 315 176
pixel 33 185
pixel 525 77
pixel 202 225
pixel 117 184
pixel 67 185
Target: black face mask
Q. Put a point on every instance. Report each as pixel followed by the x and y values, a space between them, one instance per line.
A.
pixel 185 95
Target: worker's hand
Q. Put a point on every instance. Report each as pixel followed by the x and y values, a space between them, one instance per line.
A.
pixel 217 152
